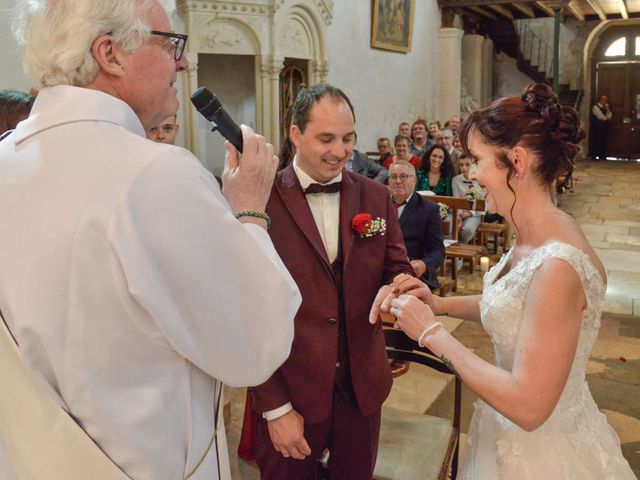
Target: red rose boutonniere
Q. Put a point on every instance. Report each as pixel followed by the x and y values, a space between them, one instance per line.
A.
pixel 367 226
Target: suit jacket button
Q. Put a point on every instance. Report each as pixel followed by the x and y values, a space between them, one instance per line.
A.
pixel 333 321
pixel 337 364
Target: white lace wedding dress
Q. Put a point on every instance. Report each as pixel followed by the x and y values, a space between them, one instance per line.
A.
pixel 576 442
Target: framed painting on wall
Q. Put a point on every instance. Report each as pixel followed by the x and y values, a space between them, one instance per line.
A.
pixel 392 25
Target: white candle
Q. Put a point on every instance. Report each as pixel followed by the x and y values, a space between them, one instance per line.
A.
pixel 484 264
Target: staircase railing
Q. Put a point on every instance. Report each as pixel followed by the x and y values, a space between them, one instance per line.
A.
pixel 534 49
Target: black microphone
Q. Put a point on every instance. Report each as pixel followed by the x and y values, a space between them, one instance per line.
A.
pixel 210 107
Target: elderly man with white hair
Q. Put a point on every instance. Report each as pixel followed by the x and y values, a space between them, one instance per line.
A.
pixel 131 285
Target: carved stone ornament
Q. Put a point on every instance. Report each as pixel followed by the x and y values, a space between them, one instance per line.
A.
pixel 224 36
pixel 294 40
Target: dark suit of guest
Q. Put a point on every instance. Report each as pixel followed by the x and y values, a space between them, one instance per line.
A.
pixel 422 231
pixel 337 375
pixel 363 165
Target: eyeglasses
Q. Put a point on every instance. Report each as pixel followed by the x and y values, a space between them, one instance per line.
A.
pixel 402 177
pixel 179 41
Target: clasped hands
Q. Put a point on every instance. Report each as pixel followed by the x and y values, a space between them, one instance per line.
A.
pixel 410 301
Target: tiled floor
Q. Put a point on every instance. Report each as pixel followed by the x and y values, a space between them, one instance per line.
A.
pixel 606 204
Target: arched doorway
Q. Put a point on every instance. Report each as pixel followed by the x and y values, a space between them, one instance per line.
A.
pixel 615 72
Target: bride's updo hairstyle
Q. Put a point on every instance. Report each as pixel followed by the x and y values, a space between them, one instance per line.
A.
pixel 535 121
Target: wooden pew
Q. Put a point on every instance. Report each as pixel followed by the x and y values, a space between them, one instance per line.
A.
pixel 470 253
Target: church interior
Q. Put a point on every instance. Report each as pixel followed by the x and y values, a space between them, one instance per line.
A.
pixel 436 59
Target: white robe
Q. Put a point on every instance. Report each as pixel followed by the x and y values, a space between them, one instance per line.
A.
pixel 129 284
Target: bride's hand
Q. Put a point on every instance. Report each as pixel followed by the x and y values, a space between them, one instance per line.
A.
pixel 405 284
pixel 412 316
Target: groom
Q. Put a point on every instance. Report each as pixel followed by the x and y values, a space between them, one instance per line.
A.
pixel 329 392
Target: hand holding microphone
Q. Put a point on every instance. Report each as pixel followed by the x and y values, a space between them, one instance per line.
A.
pixel 246 180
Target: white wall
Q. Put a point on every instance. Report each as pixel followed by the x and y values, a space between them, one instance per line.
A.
pixel 11 74
pixel 385 87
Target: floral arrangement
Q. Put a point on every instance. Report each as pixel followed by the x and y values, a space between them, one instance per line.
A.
pixel 367 226
pixel 475 193
pixel 444 210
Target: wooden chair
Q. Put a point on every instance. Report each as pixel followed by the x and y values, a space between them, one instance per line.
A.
pixel 414 446
pixel 490 232
pixel 466 252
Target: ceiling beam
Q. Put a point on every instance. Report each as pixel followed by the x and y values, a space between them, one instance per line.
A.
pixel 623 9
pixel 524 8
pixel 505 12
pixel 595 5
pixel 483 12
pixel 476 3
pixel 574 9
pixel 545 9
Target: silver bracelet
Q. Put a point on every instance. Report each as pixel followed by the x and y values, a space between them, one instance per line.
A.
pixel 427 331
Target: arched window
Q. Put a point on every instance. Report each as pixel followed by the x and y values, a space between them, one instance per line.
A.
pixel 618 47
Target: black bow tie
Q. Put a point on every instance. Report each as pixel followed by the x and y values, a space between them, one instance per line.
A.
pixel 330 188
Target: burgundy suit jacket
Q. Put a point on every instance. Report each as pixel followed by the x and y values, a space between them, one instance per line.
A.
pixel 307 378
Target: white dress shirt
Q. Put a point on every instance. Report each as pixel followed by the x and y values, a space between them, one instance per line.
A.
pixel 325 208
pixel 129 285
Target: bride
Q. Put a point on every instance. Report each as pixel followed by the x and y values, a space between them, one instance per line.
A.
pixel 541 305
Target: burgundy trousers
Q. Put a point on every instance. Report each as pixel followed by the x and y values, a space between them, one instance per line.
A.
pixel 352 440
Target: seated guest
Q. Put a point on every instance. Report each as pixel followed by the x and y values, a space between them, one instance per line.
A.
pixel 419 135
pixel 15 106
pixel 420 224
pixel 436 171
pixel 165 132
pixel 384 149
pixel 445 138
pixel 433 127
pixel 454 125
pixel 403 153
pixel 361 163
pixel 461 186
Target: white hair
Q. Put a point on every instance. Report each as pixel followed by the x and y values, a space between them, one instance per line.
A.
pixel 404 163
pixel 56 35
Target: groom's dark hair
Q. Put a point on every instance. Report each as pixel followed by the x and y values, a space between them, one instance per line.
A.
pixel 307 97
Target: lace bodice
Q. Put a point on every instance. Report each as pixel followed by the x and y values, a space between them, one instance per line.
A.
pixel 502 306
pixel 575 442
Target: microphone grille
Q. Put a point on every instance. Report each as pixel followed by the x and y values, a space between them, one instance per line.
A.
pixel 203 98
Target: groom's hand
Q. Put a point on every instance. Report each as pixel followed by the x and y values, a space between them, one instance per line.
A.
pixel 287 435
pixel 403 284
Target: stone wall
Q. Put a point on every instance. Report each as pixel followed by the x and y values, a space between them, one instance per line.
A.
pixel 385 87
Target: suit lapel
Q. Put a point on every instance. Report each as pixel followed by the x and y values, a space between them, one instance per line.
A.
pixel 412 204
pixel 295 202
pixel 349 206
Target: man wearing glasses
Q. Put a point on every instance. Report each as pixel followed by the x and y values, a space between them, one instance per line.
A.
pixel 420 224
pixel 132 286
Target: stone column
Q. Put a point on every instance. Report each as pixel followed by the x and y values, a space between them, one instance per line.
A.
pixel 449 72
pixel 276 64
pixel 318 72
pixel 487 70
pixel 472 64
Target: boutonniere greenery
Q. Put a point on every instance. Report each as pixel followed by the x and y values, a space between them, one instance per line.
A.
pixel 367 226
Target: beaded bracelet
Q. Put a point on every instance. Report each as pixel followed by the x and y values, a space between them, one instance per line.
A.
pixel 254 214
pixel 430 329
